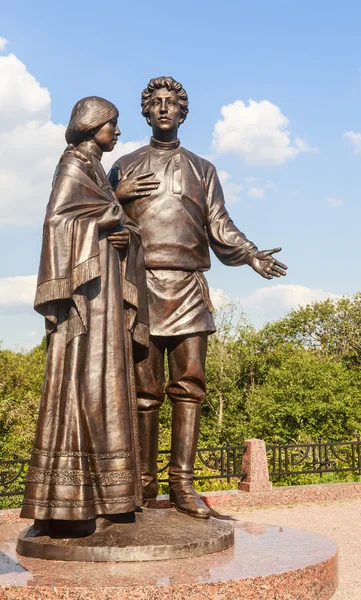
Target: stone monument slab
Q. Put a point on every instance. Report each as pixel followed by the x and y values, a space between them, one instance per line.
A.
pixel 266 562
pixel 152 535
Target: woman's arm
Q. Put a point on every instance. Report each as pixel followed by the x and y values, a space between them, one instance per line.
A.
pixel 111 218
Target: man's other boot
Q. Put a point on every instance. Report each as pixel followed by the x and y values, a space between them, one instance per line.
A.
pixel 148 437
pixel 185 431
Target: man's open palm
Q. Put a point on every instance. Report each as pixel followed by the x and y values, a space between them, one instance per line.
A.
pixel 266 265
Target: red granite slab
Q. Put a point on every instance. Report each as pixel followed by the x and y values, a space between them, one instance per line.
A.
pixel 236 499
pixel 277 496
pixel 266 563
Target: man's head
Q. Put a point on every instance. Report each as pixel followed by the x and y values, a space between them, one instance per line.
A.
pixel 165 106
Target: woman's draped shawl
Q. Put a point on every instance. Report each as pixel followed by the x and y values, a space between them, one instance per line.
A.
pixel 70 251
pixel 85 461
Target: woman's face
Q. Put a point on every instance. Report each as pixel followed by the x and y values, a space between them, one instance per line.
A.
pixel 107 135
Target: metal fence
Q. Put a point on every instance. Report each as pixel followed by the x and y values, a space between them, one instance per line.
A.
pixel 12 477
pixel 319 458
pixel 225 463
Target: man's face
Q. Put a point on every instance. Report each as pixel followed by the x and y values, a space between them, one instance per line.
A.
pixel 164 110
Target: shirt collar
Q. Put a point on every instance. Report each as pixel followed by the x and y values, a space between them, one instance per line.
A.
pixel 164 145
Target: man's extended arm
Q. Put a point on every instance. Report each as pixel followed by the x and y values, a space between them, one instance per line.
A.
pixel 229 244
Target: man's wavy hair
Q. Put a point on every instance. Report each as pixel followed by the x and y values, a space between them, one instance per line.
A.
pixel 171 84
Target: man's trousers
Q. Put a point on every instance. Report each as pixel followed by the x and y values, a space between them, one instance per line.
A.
pixel 186 389
pixel 186 361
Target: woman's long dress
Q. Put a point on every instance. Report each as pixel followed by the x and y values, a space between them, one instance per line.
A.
pixel 85 460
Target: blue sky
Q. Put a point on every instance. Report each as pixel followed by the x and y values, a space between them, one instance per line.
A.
pixel 291 175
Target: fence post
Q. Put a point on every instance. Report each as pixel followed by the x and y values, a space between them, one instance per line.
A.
pixel 255 466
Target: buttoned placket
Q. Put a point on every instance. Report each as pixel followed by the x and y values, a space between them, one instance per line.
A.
pixel 177 175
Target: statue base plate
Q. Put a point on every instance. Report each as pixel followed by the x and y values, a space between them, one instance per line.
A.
pixel 152 535
pixel 265 563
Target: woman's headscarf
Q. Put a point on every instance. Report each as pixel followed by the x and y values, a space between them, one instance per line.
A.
pixel 87 114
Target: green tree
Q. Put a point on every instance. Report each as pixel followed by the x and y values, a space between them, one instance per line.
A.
pixel 230 365
pixel 21 380
pixel 333 326
pixel 307 395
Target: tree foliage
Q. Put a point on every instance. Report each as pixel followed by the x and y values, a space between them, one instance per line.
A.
pixel 295 379
pixel 21 380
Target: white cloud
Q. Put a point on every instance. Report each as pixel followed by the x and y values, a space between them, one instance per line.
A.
pixel 271 302
pixel 335 201
pixel 251 180
pixel 32 339
pixel 258 133
pixel 219 298
pixel 3 43
pixel 223 176
pixel 22 99
pixel 231 190
pixel 265 304
pixel 304 146
pixel 30 145
pixel 354 139
pixel 283 298
pixel 260 191
pixel 17 291
pixel 256 192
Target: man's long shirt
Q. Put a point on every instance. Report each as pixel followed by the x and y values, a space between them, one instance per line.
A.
pixel 179 221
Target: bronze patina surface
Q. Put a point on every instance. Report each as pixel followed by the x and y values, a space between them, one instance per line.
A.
pixel 85 460
pixel 181 213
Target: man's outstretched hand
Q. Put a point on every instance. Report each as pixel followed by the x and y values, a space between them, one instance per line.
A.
pixel 266 265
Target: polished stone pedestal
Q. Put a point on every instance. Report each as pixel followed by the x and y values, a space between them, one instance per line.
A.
pixel 266 563
pixel 150 535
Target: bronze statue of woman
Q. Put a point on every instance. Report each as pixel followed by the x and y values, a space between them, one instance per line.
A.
pixel 91 291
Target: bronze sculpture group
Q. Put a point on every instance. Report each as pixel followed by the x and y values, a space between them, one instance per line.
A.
pixel 121 283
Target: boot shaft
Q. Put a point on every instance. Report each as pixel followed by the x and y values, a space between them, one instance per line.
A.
pixel 185 433
pixel 148 437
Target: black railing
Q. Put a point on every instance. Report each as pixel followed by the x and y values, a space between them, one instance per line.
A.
pixel 314 458
pixel 225 462
pixel 12 477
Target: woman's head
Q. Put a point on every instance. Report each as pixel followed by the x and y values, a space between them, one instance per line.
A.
pixel 93 118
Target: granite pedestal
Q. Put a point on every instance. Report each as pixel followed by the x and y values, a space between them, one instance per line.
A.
pixel 266 563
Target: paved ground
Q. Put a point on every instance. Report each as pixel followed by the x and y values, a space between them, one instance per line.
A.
pixel 339 521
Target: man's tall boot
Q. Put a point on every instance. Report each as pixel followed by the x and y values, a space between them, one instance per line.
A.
pixel 185 431
pixel 148 437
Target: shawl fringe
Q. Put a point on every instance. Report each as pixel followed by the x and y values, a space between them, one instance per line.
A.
pixel 61 289
pixel 48 291
pixel 86 271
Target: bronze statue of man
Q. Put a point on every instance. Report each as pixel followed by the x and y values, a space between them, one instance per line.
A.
pixel 181 212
